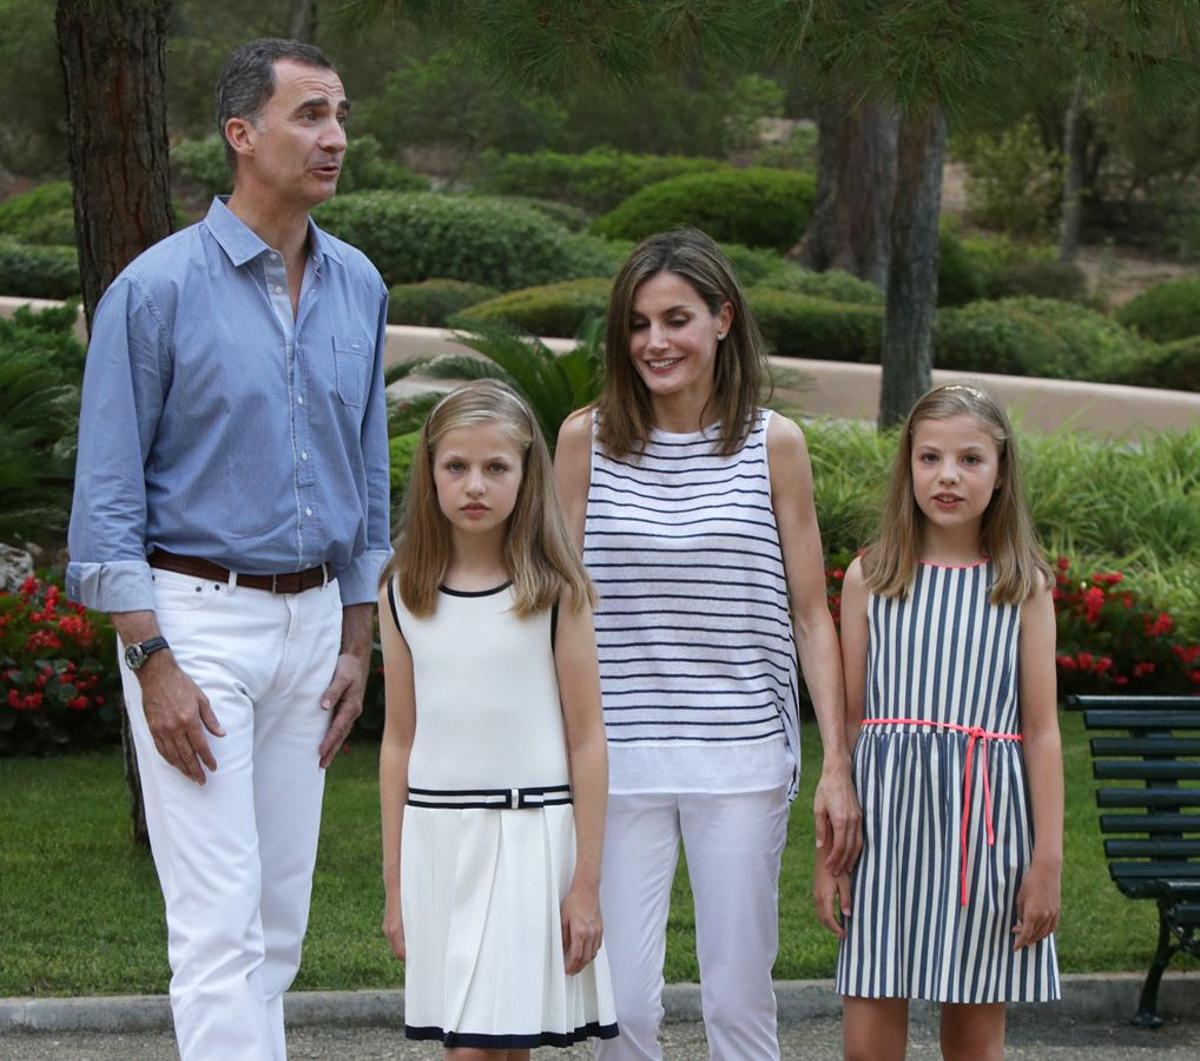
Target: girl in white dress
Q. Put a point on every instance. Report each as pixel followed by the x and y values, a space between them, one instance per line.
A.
pixel 493 771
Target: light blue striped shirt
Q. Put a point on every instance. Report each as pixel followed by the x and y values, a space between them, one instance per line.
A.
pixel 215 425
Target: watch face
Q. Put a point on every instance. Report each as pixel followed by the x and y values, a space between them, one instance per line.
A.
pixel 134 656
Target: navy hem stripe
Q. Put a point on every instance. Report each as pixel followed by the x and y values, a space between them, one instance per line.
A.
pixel 482 1040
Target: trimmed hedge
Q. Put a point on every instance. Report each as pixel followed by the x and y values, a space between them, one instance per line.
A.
pixel 976 267
pixel 1174 366
pixel 1035 337
pixel 596 180
pixel 432 302
pixel 757 207
pixel 1166 311
pixel 416 236
pixel 565 214
pixel 30 271
pixel 24 216
pixel 835 285
pixel 806 326
pixel 551 310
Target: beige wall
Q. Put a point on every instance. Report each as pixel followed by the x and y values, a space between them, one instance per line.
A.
pixel 852 391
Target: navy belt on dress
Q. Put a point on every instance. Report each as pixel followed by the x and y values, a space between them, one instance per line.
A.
pixel 489 798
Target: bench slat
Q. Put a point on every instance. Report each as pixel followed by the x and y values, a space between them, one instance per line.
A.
pixel 1149 823
pixel 1145 746
pixel 1187 914
pixel 1147 769
pixel 1142 719
pixel 1155 870
pixel 1148 797
pixel 1152 848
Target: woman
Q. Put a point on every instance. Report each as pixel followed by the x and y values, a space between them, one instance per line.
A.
pixel 694 509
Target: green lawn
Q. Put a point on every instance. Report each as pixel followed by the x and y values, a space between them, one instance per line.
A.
pixel 81 914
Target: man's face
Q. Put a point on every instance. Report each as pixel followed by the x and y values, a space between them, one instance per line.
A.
pixel 293 151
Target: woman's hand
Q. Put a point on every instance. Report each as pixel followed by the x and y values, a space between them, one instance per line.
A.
pixel 393 924
pixel 582 928
pixel 831 892
pixel 1038 903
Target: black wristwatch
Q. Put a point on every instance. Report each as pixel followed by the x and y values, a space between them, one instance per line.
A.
pixel 140 651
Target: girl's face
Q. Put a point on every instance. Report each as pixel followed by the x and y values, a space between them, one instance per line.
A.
pixel 673 337
pixel 477 471
pixel 955 470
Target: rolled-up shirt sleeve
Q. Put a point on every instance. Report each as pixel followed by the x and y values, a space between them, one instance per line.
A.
pixel 357 582
pixel 124 383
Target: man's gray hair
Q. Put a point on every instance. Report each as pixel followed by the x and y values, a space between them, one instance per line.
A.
pixel 247 80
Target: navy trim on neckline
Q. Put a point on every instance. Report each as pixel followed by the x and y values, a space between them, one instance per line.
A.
pixel 474 592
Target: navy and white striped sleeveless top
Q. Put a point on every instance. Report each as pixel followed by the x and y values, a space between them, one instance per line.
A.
pixel 698 663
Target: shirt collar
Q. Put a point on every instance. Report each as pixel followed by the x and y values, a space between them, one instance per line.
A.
pixel 242 244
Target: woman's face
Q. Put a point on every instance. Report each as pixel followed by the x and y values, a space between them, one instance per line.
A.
pixel 673 337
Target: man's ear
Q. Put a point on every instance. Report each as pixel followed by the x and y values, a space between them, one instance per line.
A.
pixel 239 134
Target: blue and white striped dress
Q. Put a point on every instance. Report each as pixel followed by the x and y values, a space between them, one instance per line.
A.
pixel 945 656
pixel 697 656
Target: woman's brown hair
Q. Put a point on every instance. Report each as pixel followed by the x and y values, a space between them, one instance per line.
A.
pixel 1006 533
pixel 538 553
pixel 624 411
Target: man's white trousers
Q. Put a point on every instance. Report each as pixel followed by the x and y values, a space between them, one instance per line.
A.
pixel 235 855
pixel 733 845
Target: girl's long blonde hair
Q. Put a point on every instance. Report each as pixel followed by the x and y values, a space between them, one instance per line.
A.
pixel 624 411
pixel 538 553
pixel 1006 534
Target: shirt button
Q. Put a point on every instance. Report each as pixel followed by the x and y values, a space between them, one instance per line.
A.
pixel 308 511
pixel 304 455
pixel 278 290
pixel 299 399
pixel 274 257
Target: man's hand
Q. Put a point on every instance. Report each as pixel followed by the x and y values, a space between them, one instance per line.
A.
pixel 178 713
pixel 344 698
pixel 837 819
pixel 582 928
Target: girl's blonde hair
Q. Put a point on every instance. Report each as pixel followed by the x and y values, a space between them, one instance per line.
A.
pixel 538 553
pixel 1006 534
pixel 625 414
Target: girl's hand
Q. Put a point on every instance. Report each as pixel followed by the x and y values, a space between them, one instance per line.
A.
pixel 1038 903
pixel 831 892
pixel 393 925
pixel 582 928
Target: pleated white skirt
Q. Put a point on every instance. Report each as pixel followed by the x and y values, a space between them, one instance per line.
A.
pixel 481 891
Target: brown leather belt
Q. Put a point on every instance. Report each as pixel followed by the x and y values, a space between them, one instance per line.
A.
pixel 196 567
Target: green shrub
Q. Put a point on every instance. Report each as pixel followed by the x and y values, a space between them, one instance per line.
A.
pixel 1174 366
pixel 1064 281
pixel 1034 337
pixel 962 277
pixel 572 217
pixel 202 163
pixel 432 302
pixel 1014 183
pixel 1166 311
pixel 804 326
pixel 596 181
pixel 29 211
pixel 835 285
pixel 29 271
pixel 552 309
pixel 753 265
pixel 757 207
pixel 416 236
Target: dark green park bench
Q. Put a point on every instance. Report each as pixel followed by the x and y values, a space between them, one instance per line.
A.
pixel 1158 854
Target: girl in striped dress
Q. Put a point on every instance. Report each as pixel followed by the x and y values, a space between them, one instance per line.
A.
pixel 694 509
pixel 948 643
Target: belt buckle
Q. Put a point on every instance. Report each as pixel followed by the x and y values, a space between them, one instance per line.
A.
pixel 516 799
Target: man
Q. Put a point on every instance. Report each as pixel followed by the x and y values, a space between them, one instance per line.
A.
pixel 230 511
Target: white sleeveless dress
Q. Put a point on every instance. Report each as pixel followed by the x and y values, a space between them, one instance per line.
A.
pixel 488 843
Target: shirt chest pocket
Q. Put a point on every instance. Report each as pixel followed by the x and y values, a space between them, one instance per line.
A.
pixel 351 368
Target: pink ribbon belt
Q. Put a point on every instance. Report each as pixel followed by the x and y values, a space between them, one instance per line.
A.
pixel 974 734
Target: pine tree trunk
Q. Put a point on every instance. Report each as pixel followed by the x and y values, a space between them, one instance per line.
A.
pixel 304 21
pixel 907 355
pixel 113 58
pixel 856 177
pixel 1074 147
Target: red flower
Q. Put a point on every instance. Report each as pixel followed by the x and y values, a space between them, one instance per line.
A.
pixel 1093 602
pixel 1144 668
pixel 1062 563
pixel 29 587
pixel 1163 624
pixel 1187 656
pixel 1104 663
pixel 1120 679
pixel 78 703
pixel 1067 663
pixel 1084 659
pixel 14 699
pixel 839 573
